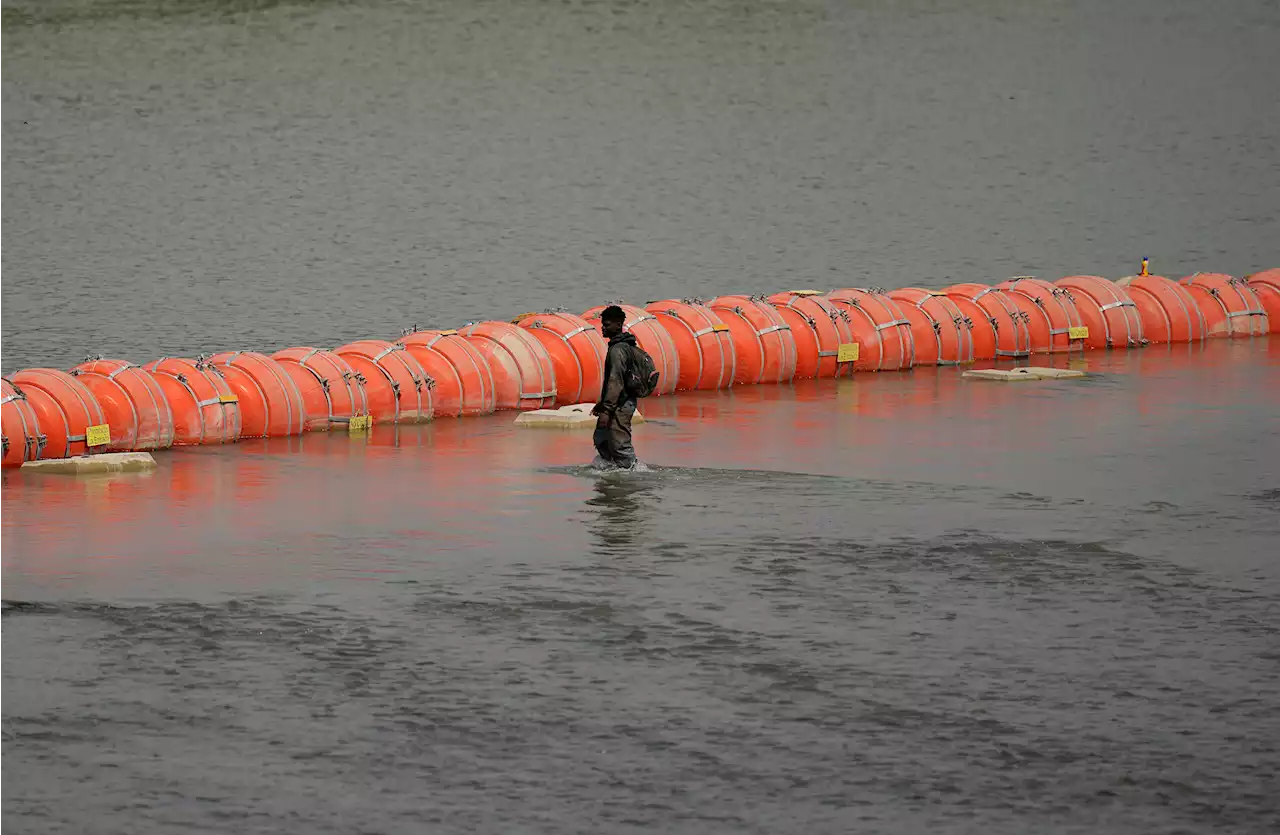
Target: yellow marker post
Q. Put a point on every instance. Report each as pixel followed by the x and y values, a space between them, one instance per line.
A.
pixel 1146 263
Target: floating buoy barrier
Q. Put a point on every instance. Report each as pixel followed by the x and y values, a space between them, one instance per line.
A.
pixel 1066 332
pixel 1266 285
pixel 1230 306
pixel 205 410
pixel 270 403
pixel 708 359
pixel 464 381
pixel 878 326
pixel 540 361
pixel 67 413
pixel 1010 324
pixel 763 346
pixel 941 333
pixel 22 439
pixel 653 338
pixel 134 405
pixel 824 340
pixel 332 391
pixel 523 374
pixel 576 349
pixel 396 386
pixel 1169 313
pixel 1106 310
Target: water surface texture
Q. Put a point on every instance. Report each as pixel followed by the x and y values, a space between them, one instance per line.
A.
pixel 900 603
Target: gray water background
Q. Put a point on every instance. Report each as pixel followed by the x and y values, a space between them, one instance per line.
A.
pixel 900 603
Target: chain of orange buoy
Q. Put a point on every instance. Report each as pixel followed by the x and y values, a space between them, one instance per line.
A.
pixel 539 360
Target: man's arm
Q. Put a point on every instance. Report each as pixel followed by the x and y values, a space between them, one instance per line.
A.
pixel 614 382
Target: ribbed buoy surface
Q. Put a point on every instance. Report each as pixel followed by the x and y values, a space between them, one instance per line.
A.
pixel 982 329
pixel 23 440
pixel 1011 324
pixel 764 347
pixel 1107 310
pixel 523 374
pixel 205 409
pixel 1168 311
pixel 707 356
pixel 1266 285
pixel 396 386
pixel 464 381
pixel 133 402
pixel 1230 306
pixel 270 403
pixel 1059 309
pixel 819 328
pixel 942 334
pixel 332 391
pixel 878 325
pixel 653 338
pixel 577 353
pixel 63 407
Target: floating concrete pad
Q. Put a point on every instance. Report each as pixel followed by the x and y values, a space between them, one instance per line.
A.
pixel 111 462
pixel 1028 373
pixel 577 416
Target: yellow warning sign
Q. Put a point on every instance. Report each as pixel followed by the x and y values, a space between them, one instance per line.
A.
pixel 1079 332
pixel 719 328
pixel 847 352
pixel 359 423
pixel 99 435
pixel 228 398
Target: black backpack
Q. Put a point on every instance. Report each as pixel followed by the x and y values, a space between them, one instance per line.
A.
pixel 641 377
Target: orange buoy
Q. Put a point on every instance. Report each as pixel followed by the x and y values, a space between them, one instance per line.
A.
pixel 205 409
pixel 1011 324
pixel 23 441
pixel 653 338
pixel 133 402
pixel 64 410
pixel 821 332
pixel 270 403
pixel 464 381
pixel 763 345
pixel 1266 285
pixel 1106 310
pixel 942 334
pixel 1059 307
pixel 523 375
pixel 332 392
pixel 1168 311
pixel 396 387
pixel 879 327
pixel 1230 306
pixel 702 340
pixel 577 353
pixel 982 327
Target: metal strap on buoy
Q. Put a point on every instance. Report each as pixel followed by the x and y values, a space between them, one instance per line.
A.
pixel 773 328
pixel 1121 303
pixel 895 323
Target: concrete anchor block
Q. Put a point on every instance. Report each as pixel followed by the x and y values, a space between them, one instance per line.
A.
pixel 1028 373
pixel 577 416
pixel 112 462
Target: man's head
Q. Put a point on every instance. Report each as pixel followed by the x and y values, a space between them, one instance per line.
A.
pixel 611 321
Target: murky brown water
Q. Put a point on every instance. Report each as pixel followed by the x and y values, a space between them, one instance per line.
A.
pixel 900 603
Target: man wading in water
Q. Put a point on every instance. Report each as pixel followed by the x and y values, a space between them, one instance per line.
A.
pixel 629 374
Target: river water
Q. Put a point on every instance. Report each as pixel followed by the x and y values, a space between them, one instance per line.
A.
pixel 901 603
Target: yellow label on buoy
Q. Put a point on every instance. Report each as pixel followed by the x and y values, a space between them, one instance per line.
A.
pixel 1079 332
pixel 99 435
pixel 447 333
pixel 359 423
pixel 228 398
pixel 719 328
pixel 804 292
pixel 847 352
